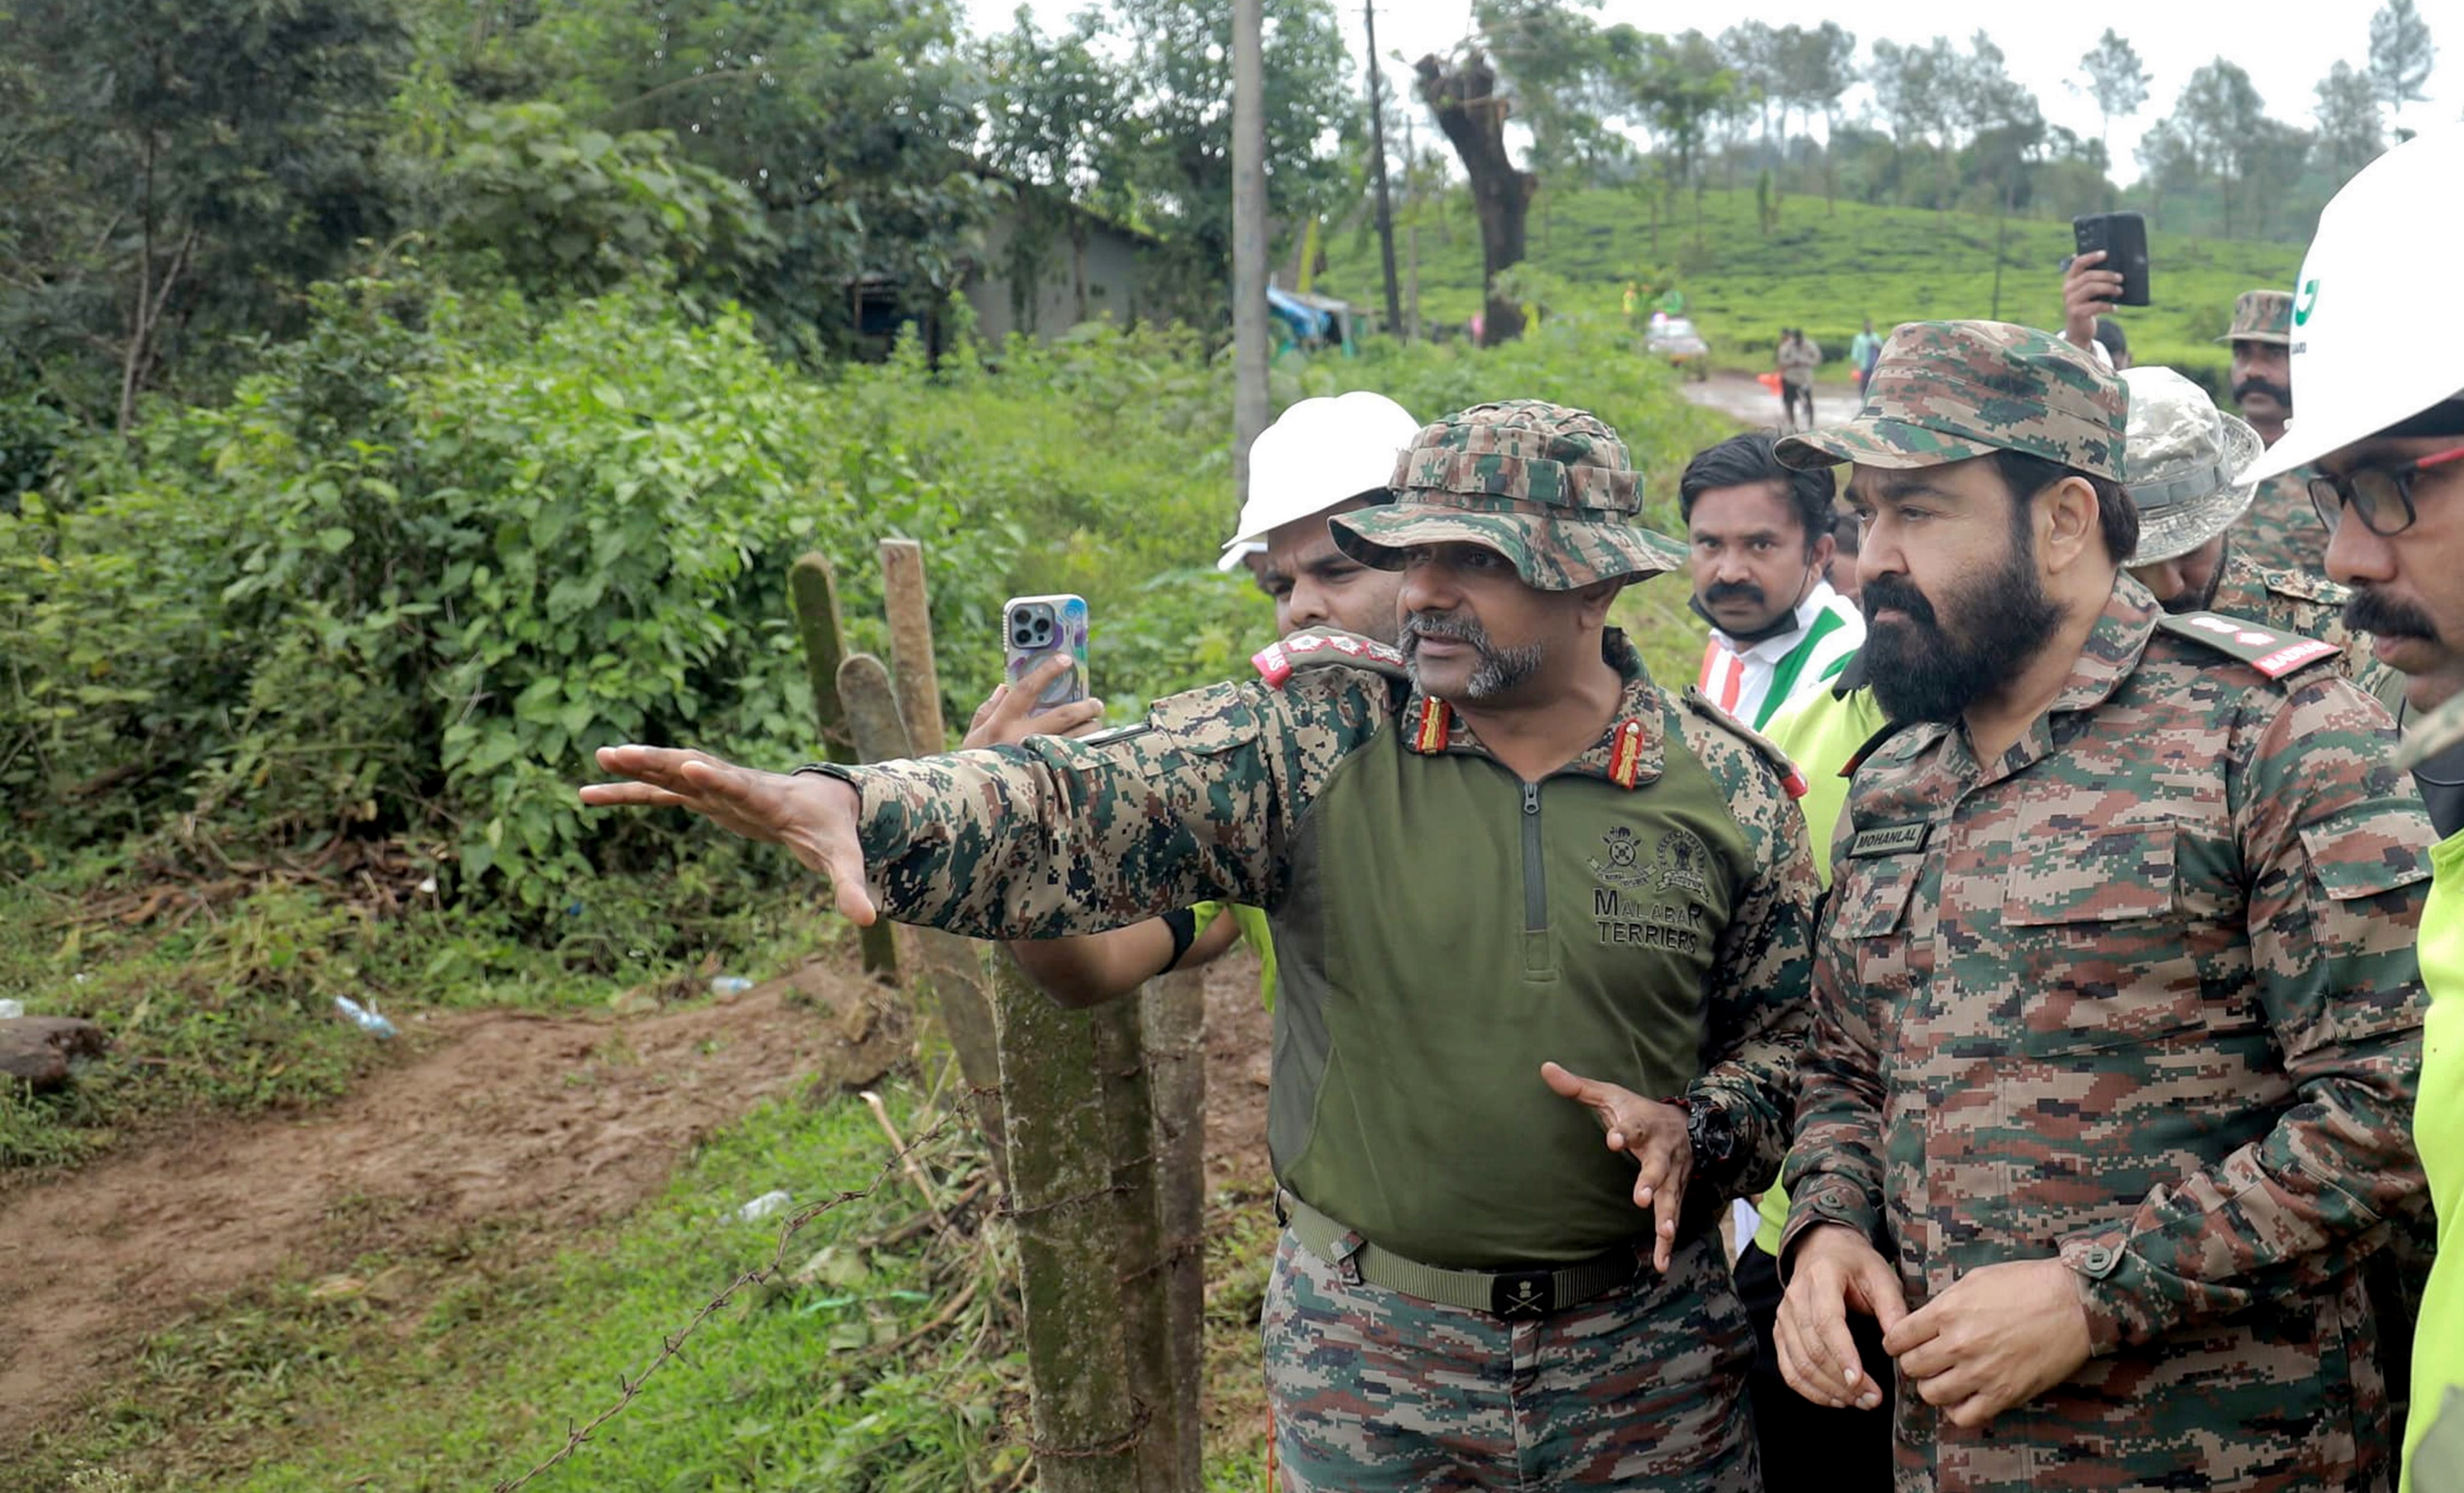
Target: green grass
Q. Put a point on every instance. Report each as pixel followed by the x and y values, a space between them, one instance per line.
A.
pixel 464 1364
pixel 461 1363
pixel 230 1011
pixel 1826 271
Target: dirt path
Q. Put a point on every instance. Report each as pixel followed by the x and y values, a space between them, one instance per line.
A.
pixel 555 1121
pixel 1744 400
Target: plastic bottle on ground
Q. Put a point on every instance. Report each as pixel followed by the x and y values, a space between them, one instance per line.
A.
pixel 729 985
pixel 365 1018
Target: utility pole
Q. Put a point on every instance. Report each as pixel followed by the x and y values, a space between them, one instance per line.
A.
pixel 1378 143
pixel 1248 236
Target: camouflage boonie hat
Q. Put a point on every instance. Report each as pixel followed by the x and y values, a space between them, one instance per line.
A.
pixel 2262 316
pixel 1945 392
pixel 1548 487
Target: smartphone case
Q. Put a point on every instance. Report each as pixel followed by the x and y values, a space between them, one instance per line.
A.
pixel 2124 238
pixel 1069 636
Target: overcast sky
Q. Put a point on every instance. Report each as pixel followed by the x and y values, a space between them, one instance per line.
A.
pixel 2286 48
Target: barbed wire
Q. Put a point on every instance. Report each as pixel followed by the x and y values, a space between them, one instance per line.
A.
pixel 671 1345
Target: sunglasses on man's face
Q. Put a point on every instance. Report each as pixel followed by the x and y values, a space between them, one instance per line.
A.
pixel 2380 495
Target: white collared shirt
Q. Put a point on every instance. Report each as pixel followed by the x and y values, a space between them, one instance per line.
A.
pixel 1752 683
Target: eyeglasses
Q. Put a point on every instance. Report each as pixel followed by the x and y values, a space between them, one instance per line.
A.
pixel 2382 497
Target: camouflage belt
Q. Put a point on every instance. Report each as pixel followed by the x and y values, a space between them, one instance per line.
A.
pixel 1512 1294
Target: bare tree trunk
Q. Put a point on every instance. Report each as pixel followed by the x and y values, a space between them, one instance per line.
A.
pixel 1377 149
pixel 1473 115
pixel 1248 237
pixel 1087 1423
pixel 1174 1020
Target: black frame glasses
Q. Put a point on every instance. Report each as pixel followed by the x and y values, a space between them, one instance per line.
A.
pixel 2374 494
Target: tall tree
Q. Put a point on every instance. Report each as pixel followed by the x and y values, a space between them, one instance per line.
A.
pixel 1054 111
pixel 1179 54
pixel 2401 54
pixel 2218 114
pixel 837 115
pixel 181 170
pixel 1824 68
pixel 2115 79
pixel 2350 136
pixel 1676 85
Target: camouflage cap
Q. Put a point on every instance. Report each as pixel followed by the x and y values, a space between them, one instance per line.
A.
pixel 1548 487
pixel 2262 316
pixel 1946 391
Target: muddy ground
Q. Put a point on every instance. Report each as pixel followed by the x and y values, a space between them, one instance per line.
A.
pixel 557 1122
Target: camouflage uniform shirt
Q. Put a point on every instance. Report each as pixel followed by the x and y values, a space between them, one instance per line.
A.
pixel 1642 915
pixel 2139 995
pixel 2279 530
pixel 2304 602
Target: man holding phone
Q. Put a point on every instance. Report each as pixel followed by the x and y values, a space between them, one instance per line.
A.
pixel 1524 852
pixel 1321 457
pixel 2277 531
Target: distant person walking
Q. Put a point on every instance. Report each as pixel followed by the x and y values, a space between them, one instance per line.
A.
pixel 1863 350
pixel 1799 355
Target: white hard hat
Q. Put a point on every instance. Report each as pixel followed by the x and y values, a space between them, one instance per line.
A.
pixel 1316 454
pixel 2378 313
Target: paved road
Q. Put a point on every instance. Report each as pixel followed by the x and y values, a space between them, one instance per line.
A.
pixel 1742 398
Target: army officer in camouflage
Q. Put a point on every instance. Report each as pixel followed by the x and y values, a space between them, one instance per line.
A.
pixel 1522 860
pixel 2117 1013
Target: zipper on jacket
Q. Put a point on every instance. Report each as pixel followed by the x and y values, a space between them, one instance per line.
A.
pixel 1535 882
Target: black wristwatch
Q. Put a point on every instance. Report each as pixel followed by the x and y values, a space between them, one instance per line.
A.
pixel 1709 1131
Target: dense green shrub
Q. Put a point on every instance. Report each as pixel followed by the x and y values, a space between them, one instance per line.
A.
pixel 430 556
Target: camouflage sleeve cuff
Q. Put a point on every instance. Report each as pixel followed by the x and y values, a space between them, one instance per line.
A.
pixel 1818 1200
pixel 2119 1291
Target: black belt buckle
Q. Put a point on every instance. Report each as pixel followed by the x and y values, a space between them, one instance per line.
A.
pixel 1519 1294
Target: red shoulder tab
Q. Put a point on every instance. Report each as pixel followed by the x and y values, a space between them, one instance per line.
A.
pixel 1435 729
pixel 1277 662
pixel 2292 657
pixel 1625 758
pixel 2272 652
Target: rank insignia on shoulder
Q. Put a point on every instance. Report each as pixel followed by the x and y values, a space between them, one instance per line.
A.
pixel 2270 652
pixel 1320 647
pixel 1625 758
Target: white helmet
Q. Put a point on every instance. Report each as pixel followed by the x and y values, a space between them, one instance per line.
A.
pixel 1316 454
pixel 2378 314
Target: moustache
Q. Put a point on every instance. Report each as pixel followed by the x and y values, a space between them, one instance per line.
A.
pixel 1442 625
pixel 1719 591
pixel 2281 393
pixel 2372 610
pixel 1891 593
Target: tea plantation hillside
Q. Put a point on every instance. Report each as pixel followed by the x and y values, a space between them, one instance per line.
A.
pixel 1823 270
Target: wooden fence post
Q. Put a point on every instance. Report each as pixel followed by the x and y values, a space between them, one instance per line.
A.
pixel 812 599
pixel 911 643
pixel 1087 1426
pixel 952 968
pixel 1173 1015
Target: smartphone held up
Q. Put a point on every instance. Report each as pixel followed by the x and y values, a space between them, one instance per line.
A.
pixel 1035 628
pixel 2123 238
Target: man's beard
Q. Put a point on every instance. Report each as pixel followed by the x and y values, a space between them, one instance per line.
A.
pixel 2369 609
pixel 1498 670
pixel 1925 672
pixel 2279 393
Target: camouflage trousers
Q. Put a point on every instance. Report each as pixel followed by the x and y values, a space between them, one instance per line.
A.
pixel 1643 1387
